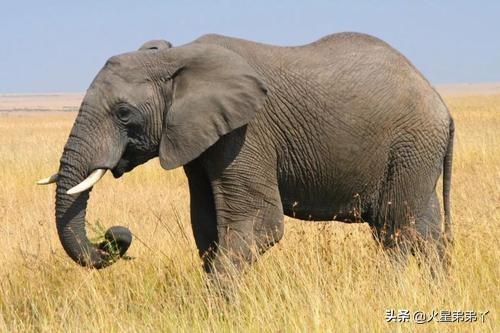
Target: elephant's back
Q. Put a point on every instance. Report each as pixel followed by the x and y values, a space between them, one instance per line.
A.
pixel 325 51
pixel 345 58
pixel 331 40
pixel 373 80
pixel 352 75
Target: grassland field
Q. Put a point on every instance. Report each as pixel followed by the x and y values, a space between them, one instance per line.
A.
pixel 322 277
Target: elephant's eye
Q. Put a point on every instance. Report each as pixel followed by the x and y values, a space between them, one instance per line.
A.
pixel 123 114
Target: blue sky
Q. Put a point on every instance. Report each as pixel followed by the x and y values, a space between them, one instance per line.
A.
pixel 58 46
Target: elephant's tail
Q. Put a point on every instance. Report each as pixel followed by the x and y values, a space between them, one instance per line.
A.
pixel 447 166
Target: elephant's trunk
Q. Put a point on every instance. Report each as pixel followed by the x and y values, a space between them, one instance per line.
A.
pixel 71 210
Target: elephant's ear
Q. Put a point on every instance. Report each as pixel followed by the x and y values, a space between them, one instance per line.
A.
pixel 156 44
pixel 214 92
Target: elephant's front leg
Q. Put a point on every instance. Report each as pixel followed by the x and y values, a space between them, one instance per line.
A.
pixel 203 217
pixel 249 214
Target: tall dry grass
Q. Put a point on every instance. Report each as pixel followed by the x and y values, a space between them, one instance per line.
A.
pixel 321 277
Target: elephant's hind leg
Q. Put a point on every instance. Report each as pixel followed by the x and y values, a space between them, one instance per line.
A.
pixel 431 240
pixel 421 235
pixel 407 216
pixel 412 229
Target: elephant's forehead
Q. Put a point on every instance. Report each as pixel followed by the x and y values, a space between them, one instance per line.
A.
pixel 122 70
pixel 120 82
pixel 108 82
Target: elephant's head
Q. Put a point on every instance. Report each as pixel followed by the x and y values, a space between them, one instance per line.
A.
pixel 171 102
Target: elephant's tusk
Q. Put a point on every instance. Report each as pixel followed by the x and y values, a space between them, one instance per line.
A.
pixel 48 180
pixel 90 181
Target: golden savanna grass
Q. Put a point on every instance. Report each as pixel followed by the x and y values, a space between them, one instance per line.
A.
pixel 321 277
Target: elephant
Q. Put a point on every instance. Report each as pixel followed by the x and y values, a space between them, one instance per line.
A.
pixel 341 129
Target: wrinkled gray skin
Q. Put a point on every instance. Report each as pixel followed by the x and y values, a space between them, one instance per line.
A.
pixel 344 129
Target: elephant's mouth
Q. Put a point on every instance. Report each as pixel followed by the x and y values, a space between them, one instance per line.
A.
pixel 129 161
pixel 122 167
